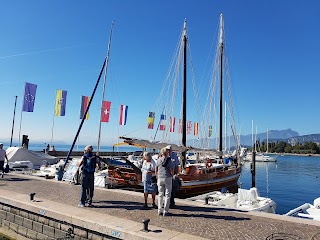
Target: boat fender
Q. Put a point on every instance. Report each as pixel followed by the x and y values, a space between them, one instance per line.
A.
pixel 209 163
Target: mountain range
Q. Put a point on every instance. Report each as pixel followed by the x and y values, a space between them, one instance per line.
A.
pixel 286 135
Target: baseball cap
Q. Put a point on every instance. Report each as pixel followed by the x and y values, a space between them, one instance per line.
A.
pixel 1 143
pixel 169 147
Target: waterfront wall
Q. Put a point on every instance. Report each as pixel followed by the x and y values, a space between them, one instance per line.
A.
pixel 45 219
pixel 38 226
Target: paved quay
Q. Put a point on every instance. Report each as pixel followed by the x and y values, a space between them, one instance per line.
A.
pixel 120 209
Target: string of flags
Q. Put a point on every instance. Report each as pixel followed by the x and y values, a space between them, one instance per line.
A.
pixel 61 103
pixel 172 123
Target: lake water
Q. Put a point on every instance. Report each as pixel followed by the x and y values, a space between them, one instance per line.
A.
pixel 290 182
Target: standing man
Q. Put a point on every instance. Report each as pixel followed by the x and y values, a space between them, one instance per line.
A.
pixel 3 156
pixel 175 179
pixel 89 164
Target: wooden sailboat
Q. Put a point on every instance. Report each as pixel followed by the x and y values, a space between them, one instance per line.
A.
pixel 212 174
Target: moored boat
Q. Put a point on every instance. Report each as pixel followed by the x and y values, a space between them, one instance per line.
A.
pixel 245 199
pixel 307 210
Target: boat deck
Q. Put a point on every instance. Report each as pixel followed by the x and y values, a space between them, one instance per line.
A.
pixel 190 220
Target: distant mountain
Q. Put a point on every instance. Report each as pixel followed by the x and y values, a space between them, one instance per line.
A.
pixel 272 134
pixel 246 140
pixel 300 139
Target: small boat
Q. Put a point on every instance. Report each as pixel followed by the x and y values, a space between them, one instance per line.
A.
pixel 21 165
pixel 307 210
pixel 261 157
pixel 245 199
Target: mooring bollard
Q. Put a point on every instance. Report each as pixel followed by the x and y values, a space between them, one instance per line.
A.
pixel 32 196
pixel 145 225
pixel 206 200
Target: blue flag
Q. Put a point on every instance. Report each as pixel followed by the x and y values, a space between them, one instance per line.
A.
pixel 29 97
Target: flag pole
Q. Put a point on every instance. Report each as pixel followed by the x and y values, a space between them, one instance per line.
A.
pixel 19 143
pixel 104 84
pixel 54 110
pixel 87 109
pixel 14 114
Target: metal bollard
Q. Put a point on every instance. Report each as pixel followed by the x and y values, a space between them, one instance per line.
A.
pixel 32 196
pixel 145 225
pixel 206 200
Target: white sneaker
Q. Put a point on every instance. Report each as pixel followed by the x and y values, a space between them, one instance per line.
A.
pixel 80 205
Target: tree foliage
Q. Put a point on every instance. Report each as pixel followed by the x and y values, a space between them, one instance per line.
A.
pixel 284 147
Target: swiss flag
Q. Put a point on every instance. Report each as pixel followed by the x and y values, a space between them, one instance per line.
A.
pixel 105 111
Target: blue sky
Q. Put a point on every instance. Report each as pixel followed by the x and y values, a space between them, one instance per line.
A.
pixel 273 51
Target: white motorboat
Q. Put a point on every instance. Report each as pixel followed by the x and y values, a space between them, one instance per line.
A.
pixel 261 157
pixel 247 200
pixel 307 210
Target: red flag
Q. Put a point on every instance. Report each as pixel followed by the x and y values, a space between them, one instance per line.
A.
pixel 189 127
pixel 105 111
pixel 172 123
pixel 196 126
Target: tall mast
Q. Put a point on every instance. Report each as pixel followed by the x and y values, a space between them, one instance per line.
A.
pixel 221 75
pixel 104 84
pixel 184 107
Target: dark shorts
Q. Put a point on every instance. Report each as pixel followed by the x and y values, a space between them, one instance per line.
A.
pixel 1 165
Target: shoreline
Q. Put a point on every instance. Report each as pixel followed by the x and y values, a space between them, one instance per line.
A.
pixel 296 154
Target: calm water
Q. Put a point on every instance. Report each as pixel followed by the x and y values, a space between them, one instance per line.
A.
pixel 290 182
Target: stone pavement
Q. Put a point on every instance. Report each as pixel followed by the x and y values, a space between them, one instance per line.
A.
pixel 189 220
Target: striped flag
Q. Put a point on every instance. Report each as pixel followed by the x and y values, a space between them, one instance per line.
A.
pixel 180 126
pixel 163 122
pixel 105 111
pixel 29 97
pixel 123 114
pixel 151 120
pixel 189 127
pixel 210 130
pixel 84 104
pixel 172 123
pixel 196 126
pixel 61 100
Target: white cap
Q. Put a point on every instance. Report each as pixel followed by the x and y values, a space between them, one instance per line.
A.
pixel 88 147
pixel 1 144
pixel 169 147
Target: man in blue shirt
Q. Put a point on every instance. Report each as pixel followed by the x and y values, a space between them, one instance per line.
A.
pixel 175 179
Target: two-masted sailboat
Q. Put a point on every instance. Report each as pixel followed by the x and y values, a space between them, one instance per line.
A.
pixel 217 171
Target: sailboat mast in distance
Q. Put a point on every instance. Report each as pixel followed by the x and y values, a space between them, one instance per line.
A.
pixel 184 110
pixel 221 75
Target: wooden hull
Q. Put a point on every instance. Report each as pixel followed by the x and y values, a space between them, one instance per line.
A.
pixel 195 184
pixel 192 184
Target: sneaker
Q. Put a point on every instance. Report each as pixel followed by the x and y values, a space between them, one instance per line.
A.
pixel 90 205
pixel 81 205
pixel 154 205
pixel 160 213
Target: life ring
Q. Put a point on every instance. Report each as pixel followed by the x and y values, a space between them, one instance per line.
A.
pixel 209 163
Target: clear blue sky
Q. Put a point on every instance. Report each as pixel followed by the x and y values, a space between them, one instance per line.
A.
pixel 273 51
